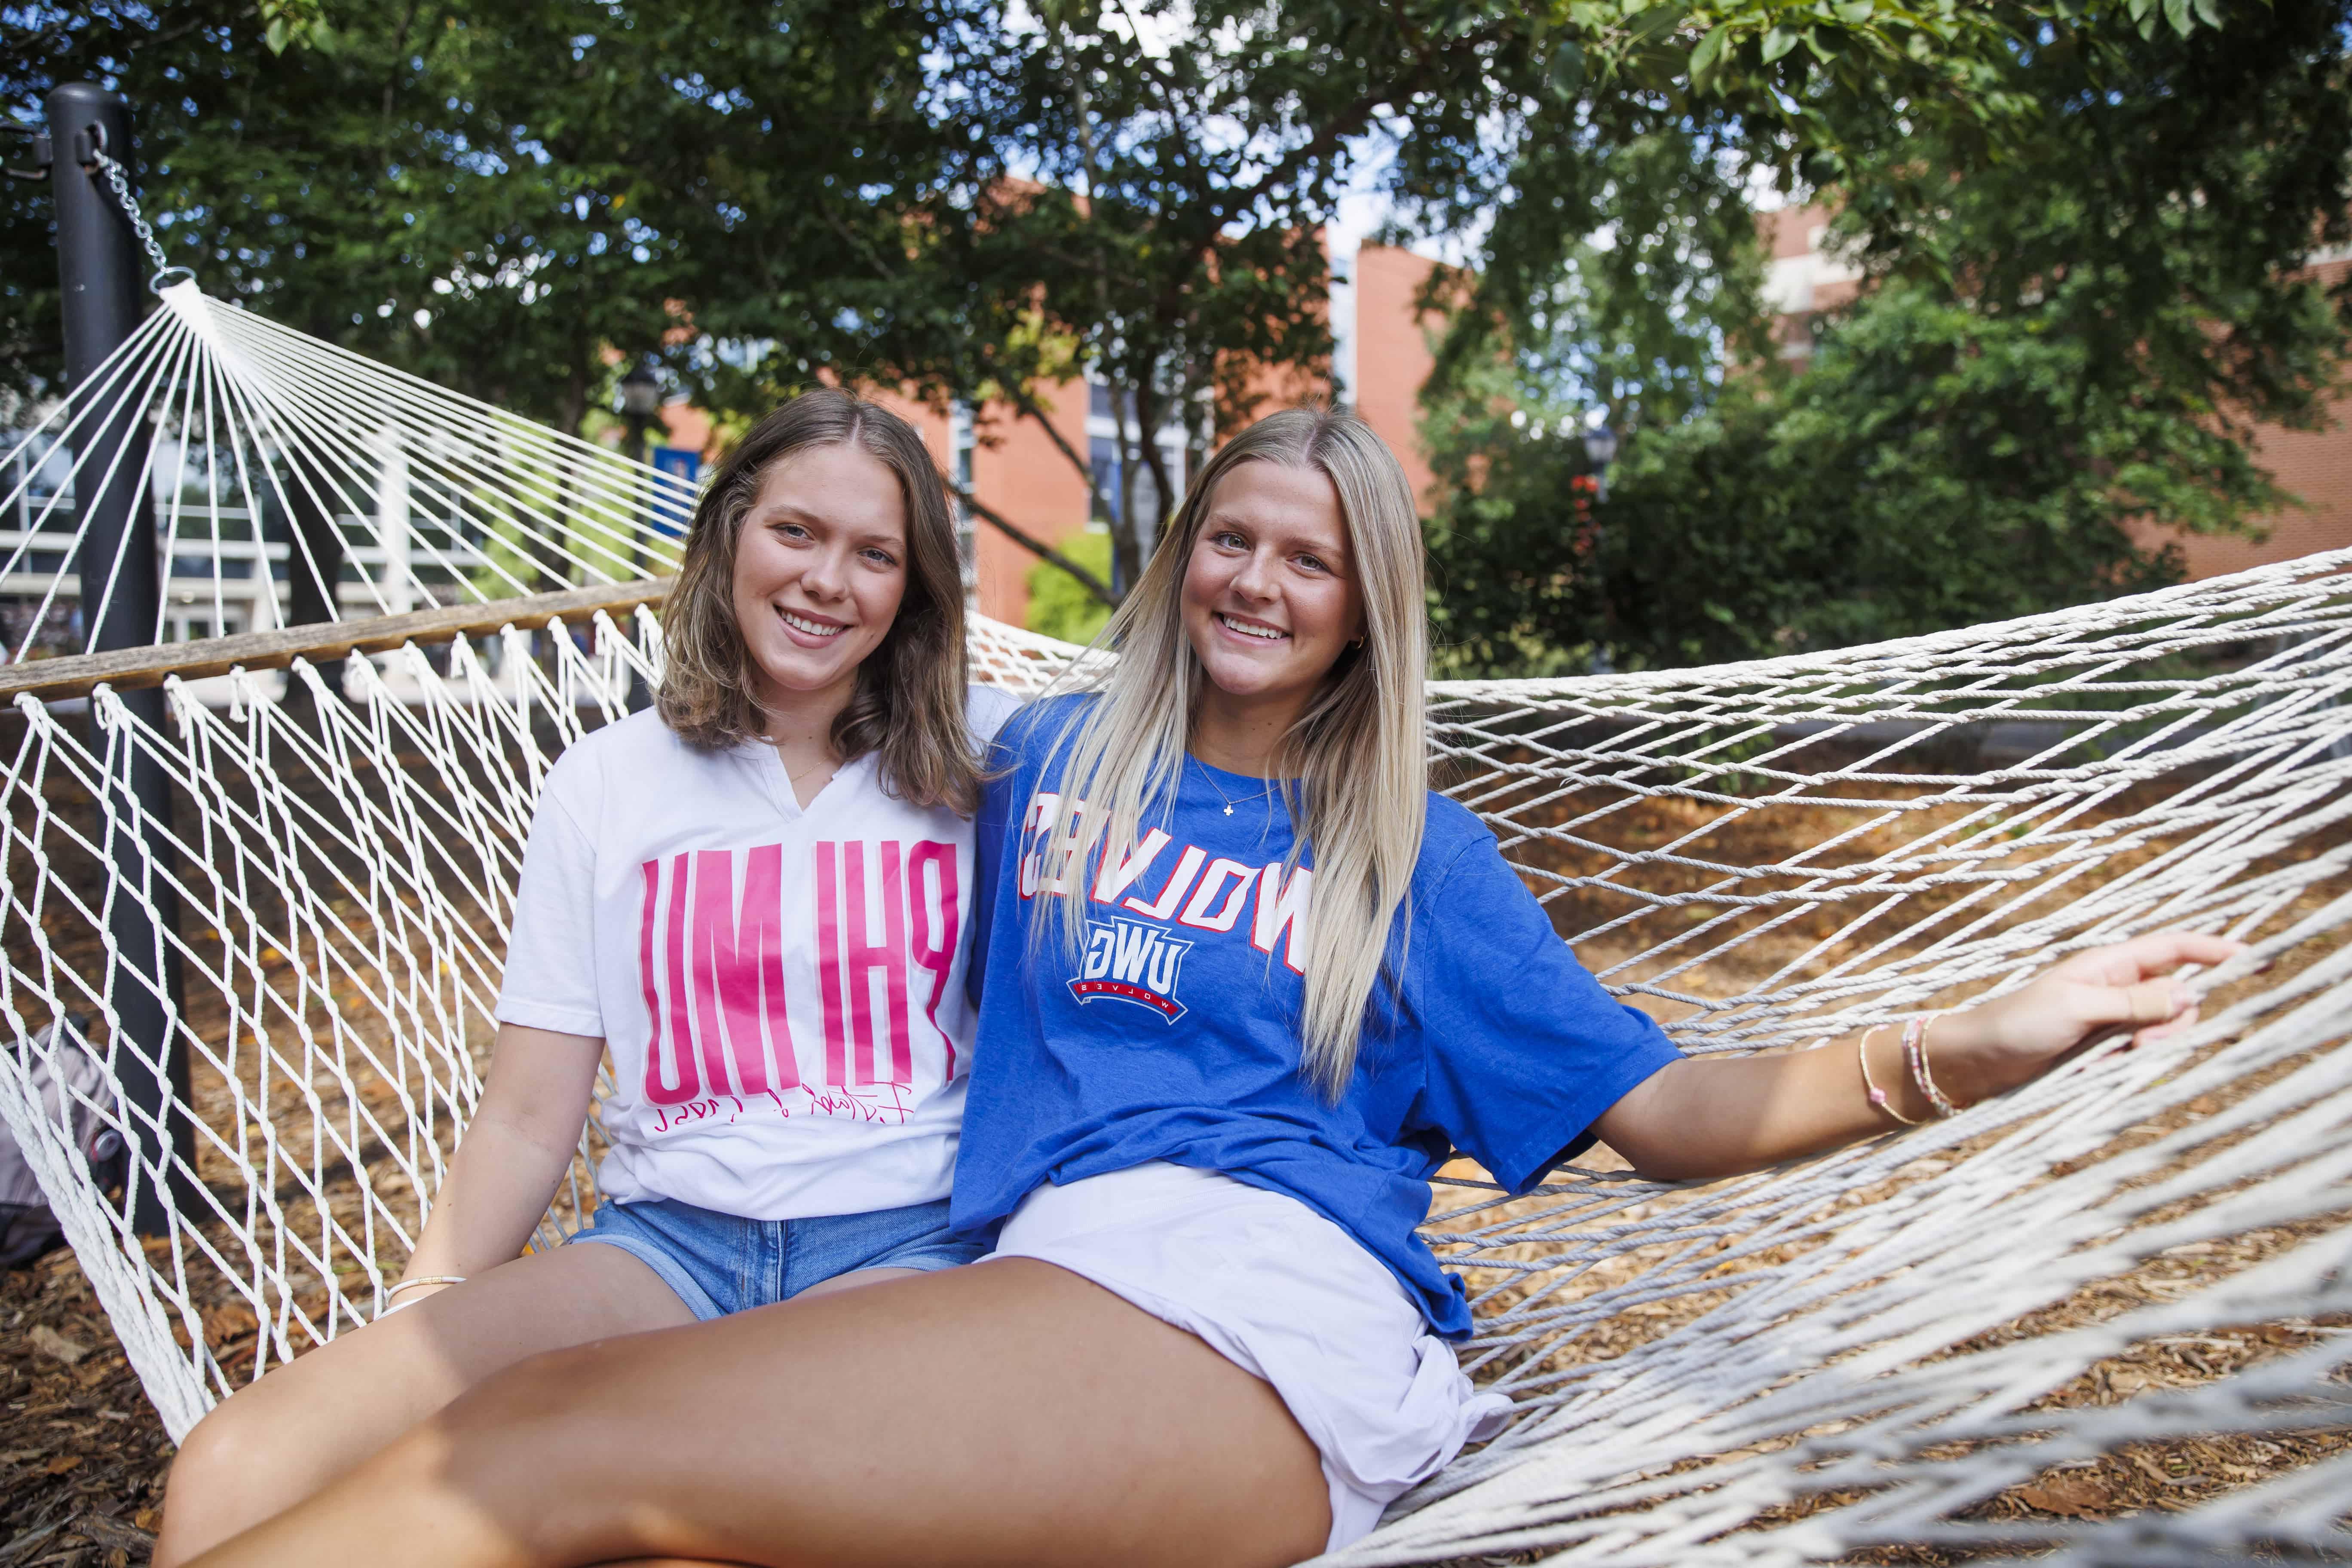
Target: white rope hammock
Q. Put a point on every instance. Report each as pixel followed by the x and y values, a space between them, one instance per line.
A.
pixel 1791 1367
pixel 431 498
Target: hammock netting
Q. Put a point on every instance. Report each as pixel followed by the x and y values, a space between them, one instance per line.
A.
pixel 1842 1359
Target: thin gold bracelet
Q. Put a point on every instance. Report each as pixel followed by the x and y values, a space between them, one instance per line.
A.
pixel 1871 1090
pixel 422 1280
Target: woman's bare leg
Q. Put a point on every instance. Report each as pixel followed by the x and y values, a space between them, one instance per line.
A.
pixel 1007 1413
pixel 271 1445
pixel 854 1278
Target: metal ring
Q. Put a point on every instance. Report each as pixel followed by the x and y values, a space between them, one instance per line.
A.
pixel 169 277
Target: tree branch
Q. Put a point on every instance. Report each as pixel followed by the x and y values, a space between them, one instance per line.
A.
pixel 1032 543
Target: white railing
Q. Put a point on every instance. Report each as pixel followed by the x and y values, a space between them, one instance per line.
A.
pixel 203 571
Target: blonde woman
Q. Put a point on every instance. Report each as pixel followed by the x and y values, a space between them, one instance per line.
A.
pixel 756 898
pixel 1247 984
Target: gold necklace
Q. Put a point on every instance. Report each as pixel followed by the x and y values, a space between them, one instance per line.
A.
pixel 778 746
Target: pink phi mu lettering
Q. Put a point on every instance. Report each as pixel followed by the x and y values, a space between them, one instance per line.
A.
pixel 711 956
pixel 1139 961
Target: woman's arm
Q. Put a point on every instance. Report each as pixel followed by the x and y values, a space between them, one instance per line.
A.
pixel 519 1144
pixel 1706 1118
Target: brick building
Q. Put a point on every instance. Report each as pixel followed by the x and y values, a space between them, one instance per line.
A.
pixel 2315 466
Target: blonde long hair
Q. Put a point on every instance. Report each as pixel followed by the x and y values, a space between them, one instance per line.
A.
pixel 1355 765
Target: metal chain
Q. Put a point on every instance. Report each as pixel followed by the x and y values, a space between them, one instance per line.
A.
pixel 120 178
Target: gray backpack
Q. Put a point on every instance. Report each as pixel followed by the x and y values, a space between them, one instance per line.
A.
pixel 72 1085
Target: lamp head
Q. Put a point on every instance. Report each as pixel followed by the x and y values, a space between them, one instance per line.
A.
pixel 641 392
pixel 1600 445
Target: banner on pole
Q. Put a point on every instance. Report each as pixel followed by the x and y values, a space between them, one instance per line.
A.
pixel 679 462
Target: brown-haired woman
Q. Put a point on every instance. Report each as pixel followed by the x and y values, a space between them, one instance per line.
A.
pixel 757 898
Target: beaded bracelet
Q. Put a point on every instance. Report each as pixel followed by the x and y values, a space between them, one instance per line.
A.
pixel 1875 1095
pixel 1915 1054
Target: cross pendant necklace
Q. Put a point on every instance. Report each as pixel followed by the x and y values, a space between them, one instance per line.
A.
pixel 1221 789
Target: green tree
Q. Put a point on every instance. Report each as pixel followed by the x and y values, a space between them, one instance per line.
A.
pixel 501 195
pixel 2057 345
pixel 1142 204
pixel 1935 467
pixel 1060 605
pixel 1177 158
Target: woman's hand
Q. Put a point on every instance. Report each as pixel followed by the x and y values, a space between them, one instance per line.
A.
pixel 2020 1036
pixel 1719 1116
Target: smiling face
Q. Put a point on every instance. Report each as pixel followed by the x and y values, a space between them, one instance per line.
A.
pixel 1270 596
pixel 820 569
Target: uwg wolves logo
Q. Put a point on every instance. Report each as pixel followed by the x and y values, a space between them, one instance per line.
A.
pixel 1131 962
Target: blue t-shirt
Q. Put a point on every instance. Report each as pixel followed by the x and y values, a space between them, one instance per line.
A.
pixel 1174 1036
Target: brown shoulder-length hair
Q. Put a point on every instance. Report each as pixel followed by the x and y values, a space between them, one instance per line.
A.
pixel 909 702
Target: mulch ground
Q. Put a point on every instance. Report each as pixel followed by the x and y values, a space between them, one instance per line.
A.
pixel 82 1456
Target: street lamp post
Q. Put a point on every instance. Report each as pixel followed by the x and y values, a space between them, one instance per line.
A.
pixel 641 399
pixel 1600 448
pixel 641 402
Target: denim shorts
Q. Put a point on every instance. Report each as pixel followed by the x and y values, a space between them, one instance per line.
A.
pixel 720 1263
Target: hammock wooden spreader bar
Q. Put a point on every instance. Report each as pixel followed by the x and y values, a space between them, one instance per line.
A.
pixel 49 679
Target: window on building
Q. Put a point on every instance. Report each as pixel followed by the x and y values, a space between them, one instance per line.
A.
pixel 1103 403
pixel 1103 459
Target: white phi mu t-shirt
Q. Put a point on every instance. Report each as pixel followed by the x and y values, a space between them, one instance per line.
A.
pixel 782 988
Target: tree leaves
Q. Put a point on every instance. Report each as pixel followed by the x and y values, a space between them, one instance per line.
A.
pixel 291 22
pixel 1934 468
pixel 1704 57
pixel 505 197
pixel 1567 71
pixel 2065 338
pixel 501 195
pixel 2181 15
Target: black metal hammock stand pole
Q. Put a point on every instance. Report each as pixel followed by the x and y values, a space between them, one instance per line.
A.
pixel 121 599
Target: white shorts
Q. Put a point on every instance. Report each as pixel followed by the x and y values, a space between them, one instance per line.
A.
pixel 1285 1295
